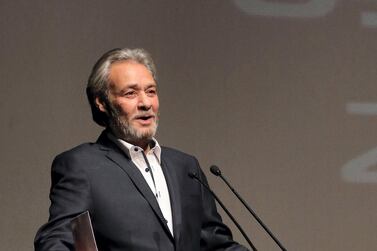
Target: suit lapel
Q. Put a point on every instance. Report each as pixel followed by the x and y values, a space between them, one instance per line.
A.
pixel 123 161
pixel 171 176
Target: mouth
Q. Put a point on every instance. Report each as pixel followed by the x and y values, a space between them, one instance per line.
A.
pixel 145 118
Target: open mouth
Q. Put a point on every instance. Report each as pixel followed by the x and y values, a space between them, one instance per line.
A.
pixel 145 118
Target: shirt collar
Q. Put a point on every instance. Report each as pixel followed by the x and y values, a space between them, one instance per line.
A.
pixel 128 147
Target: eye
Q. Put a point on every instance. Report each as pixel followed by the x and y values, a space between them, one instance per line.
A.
pixel 151 92
pixel 130 94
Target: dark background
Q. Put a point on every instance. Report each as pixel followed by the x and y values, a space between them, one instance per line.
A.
pixel 279 94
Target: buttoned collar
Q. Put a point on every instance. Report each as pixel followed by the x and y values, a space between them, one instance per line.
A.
pixel 131 150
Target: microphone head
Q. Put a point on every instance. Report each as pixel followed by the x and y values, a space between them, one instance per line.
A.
pixel 215 170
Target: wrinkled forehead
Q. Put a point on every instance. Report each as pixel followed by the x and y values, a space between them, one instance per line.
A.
pixel 129 73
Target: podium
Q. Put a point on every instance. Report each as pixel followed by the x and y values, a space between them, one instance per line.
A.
pixel 82 231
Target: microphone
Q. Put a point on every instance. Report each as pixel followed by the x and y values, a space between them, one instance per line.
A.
pixel 194 175
pixel 215 170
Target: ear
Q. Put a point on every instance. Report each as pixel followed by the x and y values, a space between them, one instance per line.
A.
pixel 100 105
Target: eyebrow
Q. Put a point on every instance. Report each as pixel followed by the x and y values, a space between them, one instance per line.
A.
pixel 136 86
pixel 147 85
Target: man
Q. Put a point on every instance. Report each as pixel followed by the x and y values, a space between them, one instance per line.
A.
pixel 138 193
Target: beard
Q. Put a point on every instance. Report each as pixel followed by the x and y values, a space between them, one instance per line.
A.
pixel 119 123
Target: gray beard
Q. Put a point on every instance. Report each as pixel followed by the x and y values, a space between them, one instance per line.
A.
pixel 122 128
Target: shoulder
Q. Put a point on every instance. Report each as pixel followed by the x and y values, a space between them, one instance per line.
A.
pixel 81 150
pixel 175 152
pixel 79 157
pixel 178 156
pixel 89 150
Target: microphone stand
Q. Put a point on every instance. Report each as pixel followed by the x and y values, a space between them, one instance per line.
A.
pixel 217 172
pixel 195 176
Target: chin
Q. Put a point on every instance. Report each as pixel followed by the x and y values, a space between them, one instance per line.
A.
pixel 144 133
pixel 130 132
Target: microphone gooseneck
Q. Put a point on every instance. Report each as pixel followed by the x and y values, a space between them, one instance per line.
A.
pixel 194 175
pixel 217 172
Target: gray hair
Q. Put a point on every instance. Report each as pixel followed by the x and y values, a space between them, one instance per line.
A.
pixel 98 82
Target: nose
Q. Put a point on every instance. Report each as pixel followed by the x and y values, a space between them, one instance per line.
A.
pixel 144 102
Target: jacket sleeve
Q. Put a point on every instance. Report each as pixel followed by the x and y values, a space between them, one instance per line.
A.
pixel 69 196
pixel 215 235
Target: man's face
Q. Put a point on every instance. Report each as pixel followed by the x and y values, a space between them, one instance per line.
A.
pixel 133 102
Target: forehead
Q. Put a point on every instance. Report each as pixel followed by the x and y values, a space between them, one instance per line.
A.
pixel 131 72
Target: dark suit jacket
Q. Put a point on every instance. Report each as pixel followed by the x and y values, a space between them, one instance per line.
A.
pixel 102 179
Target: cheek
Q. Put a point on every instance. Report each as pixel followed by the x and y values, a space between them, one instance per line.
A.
pixel 156 104
pixel 125 108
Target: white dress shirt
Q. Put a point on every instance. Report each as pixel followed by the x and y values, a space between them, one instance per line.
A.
pixel 149 164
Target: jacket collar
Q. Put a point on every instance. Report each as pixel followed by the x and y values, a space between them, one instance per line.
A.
pixel 120 158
